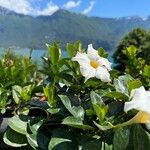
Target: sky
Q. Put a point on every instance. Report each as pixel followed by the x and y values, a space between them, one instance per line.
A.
pixel 100 8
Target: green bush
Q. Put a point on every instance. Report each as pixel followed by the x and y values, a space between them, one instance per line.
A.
pixel 139 38
pixel 82 110
pixel 17 76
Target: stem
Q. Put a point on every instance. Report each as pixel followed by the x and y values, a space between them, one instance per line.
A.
pixel 79 98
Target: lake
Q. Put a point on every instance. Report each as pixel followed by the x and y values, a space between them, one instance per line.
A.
pixel 38 53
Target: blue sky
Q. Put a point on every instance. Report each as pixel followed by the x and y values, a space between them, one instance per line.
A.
pixel 102 8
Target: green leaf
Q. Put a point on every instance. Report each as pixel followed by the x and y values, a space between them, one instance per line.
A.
pixel 101 52
pixel 16 90
pixel 78 45
pixel 90 112
pixel 71 50
pixel 117 96
pixel 76 123
pixel 26 92
pixel 105 146
pixel 43 139
pixel 14 139
pixel 65 76
pixel 55 141
pixel 53 110
pixel 4 99
pixel 21 94
pixel 104 127
pixel 62 139
pixel 89 143
pixel 54 53
pixel 121 84
pixel 49 93
pixel 95 98
pixel 138 140
pixel 34 128
pixel 76 111
pixel 134 84
pixel 17 125
pixel 146 71
pixel 131 51
pixel 100 111
pixel 32 140
pixel 99 107
pixel 121 139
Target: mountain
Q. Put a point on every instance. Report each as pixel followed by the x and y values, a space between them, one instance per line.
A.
pixel 33 32
pixel 4 11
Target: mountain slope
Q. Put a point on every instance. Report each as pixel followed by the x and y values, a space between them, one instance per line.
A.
pixel 26 31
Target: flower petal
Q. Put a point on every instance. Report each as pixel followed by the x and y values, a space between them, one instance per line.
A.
pixel 136 92
pixel 104 62
pixel 140 100
pixel 148 125
pixel 103 74
pixel 87 71
pixel 129 105
pixel 92 53
pixel 81 58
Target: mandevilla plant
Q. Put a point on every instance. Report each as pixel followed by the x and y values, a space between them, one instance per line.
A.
pixel 17 79
pixel 84 107
pixel 136 65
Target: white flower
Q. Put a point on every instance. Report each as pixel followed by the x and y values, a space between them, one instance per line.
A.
pixel 92 65
pixel 140 101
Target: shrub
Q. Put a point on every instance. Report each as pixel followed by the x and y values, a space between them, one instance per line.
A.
pixel 82 106
pixel 140 39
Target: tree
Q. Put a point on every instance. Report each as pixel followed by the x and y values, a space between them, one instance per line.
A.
pixel 139 38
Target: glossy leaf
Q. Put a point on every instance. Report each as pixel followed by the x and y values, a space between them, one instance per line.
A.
pixel 117 96
pixel 121 139
pixel 76 111
pixel 54 53
pixel 90 143
pixel 16 90
pixel 32 137
pixel 104 127
pixel 138 140
pixel 99 107
pixel 32 140
pixel 71 50
pixel 14 139
pixel 53 110
pixel 56 141
pixel 76 123
pixel 134 84
pixel 49 93
pixel 121 83
pixel 17 125
pixel 95 98
pixel 146 71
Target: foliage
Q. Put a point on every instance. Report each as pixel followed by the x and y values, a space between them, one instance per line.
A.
pixel 76 115
pixel 17 78
pixel 133 56
pixel 138 38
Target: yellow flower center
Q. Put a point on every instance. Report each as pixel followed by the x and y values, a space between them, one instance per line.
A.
pixel 94 64
pixel 142 117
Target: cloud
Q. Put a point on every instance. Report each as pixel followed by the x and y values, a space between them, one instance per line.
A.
pixel 72 4
pixel 25 7
pixel 49 10
pixel 19 6
pixel 89 8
